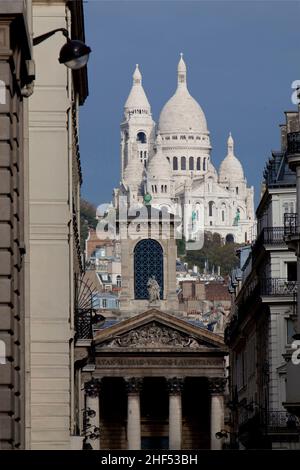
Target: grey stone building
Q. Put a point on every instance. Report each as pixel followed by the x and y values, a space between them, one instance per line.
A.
pixel 262 325
pixel 15 80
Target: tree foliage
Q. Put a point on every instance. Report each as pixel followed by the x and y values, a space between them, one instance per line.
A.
pixel 87 220
pixel 215 253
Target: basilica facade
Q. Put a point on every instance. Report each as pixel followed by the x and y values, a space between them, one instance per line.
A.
pixel 170 164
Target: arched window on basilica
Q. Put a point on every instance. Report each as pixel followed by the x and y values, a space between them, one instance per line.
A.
pixel 141 138
pixel 183 163
pixel 198 163
pixel 175 163
pixel 191 163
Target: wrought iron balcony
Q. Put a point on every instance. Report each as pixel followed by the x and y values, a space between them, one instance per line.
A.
pixel 278 287
pixel 293 143
pixel 268 236
pixel 291 225
pixel 85 314
pixel 281 421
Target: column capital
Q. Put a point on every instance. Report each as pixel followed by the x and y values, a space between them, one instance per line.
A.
pixel 216 385
pixel 175 385
pixel 92 387
pixel 133 384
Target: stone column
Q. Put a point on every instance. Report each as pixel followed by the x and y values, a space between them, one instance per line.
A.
pixel 133 387
pixel 92 413
pixel 175 386
pixel 216 387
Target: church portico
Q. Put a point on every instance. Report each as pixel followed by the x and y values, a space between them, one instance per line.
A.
pixel 161 384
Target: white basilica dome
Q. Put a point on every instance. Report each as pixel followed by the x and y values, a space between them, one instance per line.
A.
pixel 231 168
pixel 182 113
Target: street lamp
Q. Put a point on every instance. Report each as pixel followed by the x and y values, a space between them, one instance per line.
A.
pixel 74 53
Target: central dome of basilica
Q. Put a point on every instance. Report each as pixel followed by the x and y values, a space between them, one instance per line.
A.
pixel 182 113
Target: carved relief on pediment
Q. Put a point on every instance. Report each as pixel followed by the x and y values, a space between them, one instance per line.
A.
pixel 153 335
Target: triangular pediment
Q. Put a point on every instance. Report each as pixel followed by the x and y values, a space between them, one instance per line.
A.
pixel 157 330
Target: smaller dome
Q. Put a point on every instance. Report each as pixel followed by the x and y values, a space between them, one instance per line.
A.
pixel 159 167
pixel 137 98
pixel 231 168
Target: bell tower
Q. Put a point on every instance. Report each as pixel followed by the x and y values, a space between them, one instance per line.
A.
pixel 137 130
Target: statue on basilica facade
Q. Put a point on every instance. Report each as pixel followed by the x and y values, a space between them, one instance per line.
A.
pixel 153 289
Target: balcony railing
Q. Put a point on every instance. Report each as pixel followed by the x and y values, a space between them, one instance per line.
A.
pixel 268 236
pixel 84 312
pixel 278 286
pixel 293 143
pixel 278 421
pixel 291 225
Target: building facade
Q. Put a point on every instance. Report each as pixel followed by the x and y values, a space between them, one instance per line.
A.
pixel 16 76
pixel 262 324
pixel 54 257
pixel 149 376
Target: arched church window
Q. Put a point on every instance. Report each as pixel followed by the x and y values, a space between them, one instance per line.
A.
pixel 204 164
pixel 162 188
pixel 165 188
pixel 175 163
pixel 210 208
pixel 229 238
pixel 191 163
pixel 183 163
pixel 141 137
pixel 198 163
pixel 148 263
pixel 223 216
pixel 237 190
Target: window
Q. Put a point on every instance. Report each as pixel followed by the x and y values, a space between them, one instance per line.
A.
pixel 198 163
pixel 290 330
pixel 141 137
pixel 183 163
pixel 148 262
pixel 223 216
pixel 174 137
pixel 204 164
pixel 292 271
pixel 104 303
pixel 191 137
pixel 119 281
pixel 210 208
pixel 175 163
pixel 237 190
pixel 191 163
pixel 182 137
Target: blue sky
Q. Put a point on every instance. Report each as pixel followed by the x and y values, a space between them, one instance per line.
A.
pixel 241 56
